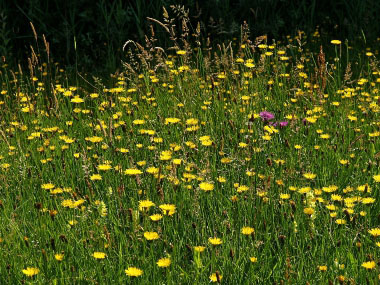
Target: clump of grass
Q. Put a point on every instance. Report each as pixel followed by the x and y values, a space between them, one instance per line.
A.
pixel 250 162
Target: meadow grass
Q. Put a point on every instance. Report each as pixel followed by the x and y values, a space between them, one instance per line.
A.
pixel 254 163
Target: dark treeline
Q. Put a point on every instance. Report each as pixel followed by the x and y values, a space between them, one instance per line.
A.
pixel 92 32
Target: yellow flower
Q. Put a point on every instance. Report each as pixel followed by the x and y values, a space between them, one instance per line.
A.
pixel 166 155
pixel 341 278
pixel 77 100
pixel 199 248
pixel 47 186
pixel 216 277
pixel 364 188
pixel 325 136
pixel 308 211
pixel 206 186
pixel 322 268
pixel 59 256
pixel 104 167
pixel 177 161
pixel 133 271
pixel 249 64
pixel 253 259
pixel 374 232
pixel 168 209
pixel 68 203
pixel 207 142
pixel 132 171
pixel 369 264
pixel 304 190
pixel 267 137
pixel 222 179
pixel 335 197
pixel 225 160
pixel 330 188
pixel 368 200
pixel 138 122
pixel 376 178
pixel 247 230
pixel 309 175
pixel 145 204
pixel 192 121
pixel 336 42
pixel 95 177
pixel 151 235
pixel 155 217
pixel 215 241
pixel 5 165
pixel 30 271
pixel 181 52
pixel 99 255
pixel 242 188
pixel 172 121
pixel 164 262
pixel 152 170
pixel 94 139
pixel 284 196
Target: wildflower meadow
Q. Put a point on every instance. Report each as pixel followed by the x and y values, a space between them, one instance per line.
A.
pixel 254 161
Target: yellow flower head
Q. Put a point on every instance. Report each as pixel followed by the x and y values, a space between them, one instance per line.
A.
pixel 132 171
pixel 253 259
pixel 59 256
pixel 104 167
pixel 374 232
pixel 164 262
pixel 99 255
pixel 247 230
pixel 369 264
pixel 155 217
pixel 151 235
pixel 145 204
pixel 309 175
pixel 205 186
pixel 95 177
pixel 215 241
pixel 47 186
pixel 168 209
pixel 199 248
pixel 216 277
pixel 308 211
pixel 242 188
pixel 336 42
pixel 30 271
pixel 133 271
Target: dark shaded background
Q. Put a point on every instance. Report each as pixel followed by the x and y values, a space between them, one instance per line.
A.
pixel 99 28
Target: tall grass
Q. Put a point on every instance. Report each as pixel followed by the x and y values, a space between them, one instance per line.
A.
pixel 101 29
pixel 252 162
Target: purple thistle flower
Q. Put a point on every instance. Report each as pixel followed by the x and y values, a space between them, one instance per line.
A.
pixel 283 124
pixel 266 116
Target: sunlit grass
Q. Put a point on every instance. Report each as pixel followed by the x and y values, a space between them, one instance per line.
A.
pixel 252 165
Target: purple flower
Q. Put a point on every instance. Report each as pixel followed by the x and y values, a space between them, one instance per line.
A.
pixel 281 124
pixel 266 116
